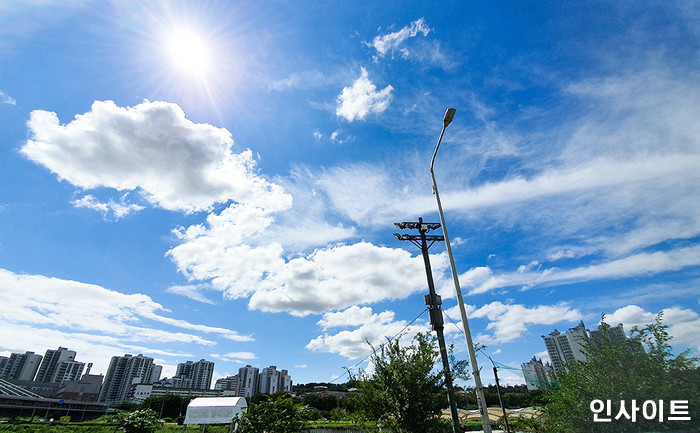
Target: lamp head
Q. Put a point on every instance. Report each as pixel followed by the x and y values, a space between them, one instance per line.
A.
pixel 449 115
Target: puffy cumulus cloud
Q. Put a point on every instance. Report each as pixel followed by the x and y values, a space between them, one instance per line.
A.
pixel 508 322
pixel 246 251
pixel 360 99
pixel 343 275
pixel 224 250
pixel 394 41
pixel 51 302
pixel 368 328
pixel 683 323
pixel 151 148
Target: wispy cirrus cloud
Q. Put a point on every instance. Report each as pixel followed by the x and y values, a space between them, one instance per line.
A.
pixel 192 291
pixel 239 357
pixel 7 99
pixel 114 322
pixel 483 279
pixel 395 40
pixel 116 210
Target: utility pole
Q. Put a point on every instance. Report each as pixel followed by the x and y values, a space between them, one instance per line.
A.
pixel 433 301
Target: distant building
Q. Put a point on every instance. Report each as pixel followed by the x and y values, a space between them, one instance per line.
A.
pixel 285 382
pixel 537 375
pixel 123 372
pixel 53 361
pixel 21 366
pixel 196 375
pixel 85 389
pixel 269 380
pixel 248 381
pixel 229 383
pixel 155 374
pixel 606 331
pixel 566 347
pixel 68 371
pixel 140 392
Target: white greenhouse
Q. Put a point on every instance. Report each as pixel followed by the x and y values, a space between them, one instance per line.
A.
pixel 214 410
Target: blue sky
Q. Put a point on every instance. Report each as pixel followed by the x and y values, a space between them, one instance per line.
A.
pixel 220 180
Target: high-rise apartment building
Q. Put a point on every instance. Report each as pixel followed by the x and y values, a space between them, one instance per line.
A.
pixel 269 380
pixel 229 383
pixel 124 371
pixel 605 331
pixel 52 362
pixel 21 366
pixel 3 363
pixel 248 381
pixel 195 375
pixel 285 381
pixel 566 347
pixel 155 374
pixel 537 375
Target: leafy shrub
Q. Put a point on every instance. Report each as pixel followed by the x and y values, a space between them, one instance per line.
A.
pixel 138 421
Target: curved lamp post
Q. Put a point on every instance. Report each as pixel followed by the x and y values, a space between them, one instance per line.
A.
pixel 481 401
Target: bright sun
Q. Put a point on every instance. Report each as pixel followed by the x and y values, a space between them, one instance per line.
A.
pixel 189 52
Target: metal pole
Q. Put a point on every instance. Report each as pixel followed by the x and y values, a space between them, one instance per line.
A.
pixel 480 399
pixel 434 301
pixel 500 400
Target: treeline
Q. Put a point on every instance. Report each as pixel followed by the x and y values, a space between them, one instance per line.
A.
pixel 514 397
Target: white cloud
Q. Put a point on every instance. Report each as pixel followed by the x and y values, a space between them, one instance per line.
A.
pixel 117 210
pixel 44 310
pixel 393 41
pixel 192 291
pixel 508 322
pixel 91 347
pixel 245 252
pixel 239 357
pixel 683 323
pixel 369 328
pixel 151 148
pixel 7 99
pixel 341 276
pixel 482 279
pixel 360 99
pixel 43 301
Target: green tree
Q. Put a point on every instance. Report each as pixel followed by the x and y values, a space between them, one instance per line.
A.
pixel 619 370
pixel 405 393
pixel 138 421
pixel 276 414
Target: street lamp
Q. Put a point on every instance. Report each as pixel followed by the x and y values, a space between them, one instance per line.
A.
pixel 481 401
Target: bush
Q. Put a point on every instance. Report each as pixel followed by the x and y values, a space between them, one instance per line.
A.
pixel 138 421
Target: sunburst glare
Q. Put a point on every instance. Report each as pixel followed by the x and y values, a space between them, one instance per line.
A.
pixel 189 52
